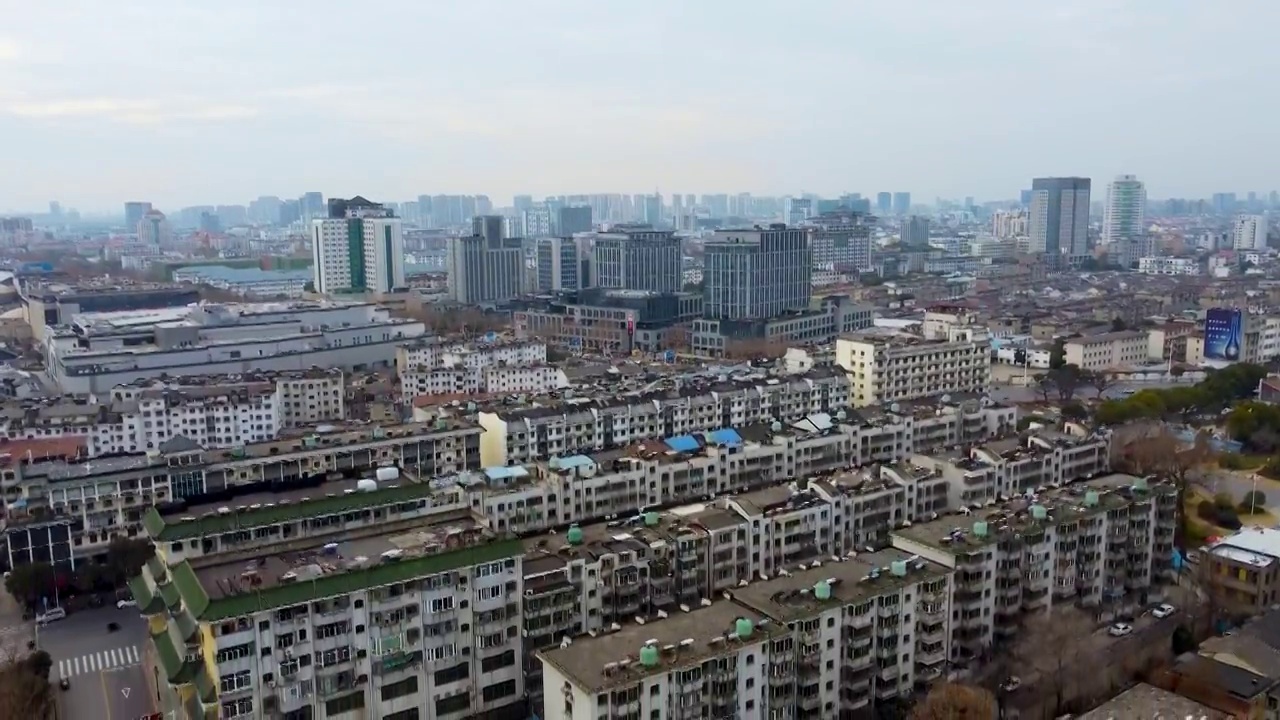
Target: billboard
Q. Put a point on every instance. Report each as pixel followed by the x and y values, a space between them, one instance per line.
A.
pixel 1223 334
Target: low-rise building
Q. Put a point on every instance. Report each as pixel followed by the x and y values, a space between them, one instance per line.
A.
pixel 1108 350
pixel 889 366
pixel 1244 570
pixel 1169 266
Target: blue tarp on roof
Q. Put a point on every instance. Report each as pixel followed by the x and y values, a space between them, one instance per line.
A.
pixel 727 436
pixel 574 461
pixel 683 443
pixel 505 472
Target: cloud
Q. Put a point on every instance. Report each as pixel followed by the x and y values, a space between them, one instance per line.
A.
pixel 9 49
pixel 129 111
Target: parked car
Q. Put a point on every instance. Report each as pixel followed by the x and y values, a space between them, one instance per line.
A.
pixel 1164 611
pixel 50 615
pixel 127 603
pixel 1120 630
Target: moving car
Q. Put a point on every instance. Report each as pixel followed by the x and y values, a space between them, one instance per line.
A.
pixel 1164 611
pixel 1120 630
pixel 65 683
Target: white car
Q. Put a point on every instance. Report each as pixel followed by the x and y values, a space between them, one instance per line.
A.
pixel 1164 611
pixel 50 615
pixel 122 604
pixel 1119 630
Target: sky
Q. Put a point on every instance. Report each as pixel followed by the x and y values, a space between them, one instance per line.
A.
pixel 186 102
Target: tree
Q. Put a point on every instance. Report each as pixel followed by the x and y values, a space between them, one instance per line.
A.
pixel 1074 411
pixel 678 338
pixel 1253 501
pixel 1045 386
pixel 951 701
pixel 1177 371
pixel 30 582
pixel 126 556
pixel 1056 646
pixel 1159 452
pixel 1119 325
pixel 24 686
pixel 1100 381
pixel 1066 380
pixel 1058 353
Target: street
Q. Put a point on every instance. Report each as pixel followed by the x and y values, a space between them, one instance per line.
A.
pixel 1015 393
pixel 107 679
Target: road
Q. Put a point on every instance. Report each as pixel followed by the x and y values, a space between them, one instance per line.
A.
pixel 104 668
pixel 1240 483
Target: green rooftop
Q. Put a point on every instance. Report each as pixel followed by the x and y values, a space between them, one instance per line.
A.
pixel 197 601
pixel 171 654
pixel 173 528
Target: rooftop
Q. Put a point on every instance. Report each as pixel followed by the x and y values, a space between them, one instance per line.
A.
pixel 1253 546
pixel 681 640
pixel 971 529
pixel 1147 701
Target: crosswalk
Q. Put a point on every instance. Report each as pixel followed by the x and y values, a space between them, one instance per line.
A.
pixel 101 660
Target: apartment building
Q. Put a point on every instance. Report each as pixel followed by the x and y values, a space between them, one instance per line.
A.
pixel 437 352
pixel 1244 570
pixel 819 642
pixel 1104 544
pixel 550 426
pixel 363 615
pixel 1108 350
pixel 886 367
pixel 489 380
pixel 82 505
pixel 1170 266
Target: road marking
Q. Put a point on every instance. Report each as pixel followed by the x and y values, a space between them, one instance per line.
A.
pixel 125 692
pixel 106 697
pixel 100 661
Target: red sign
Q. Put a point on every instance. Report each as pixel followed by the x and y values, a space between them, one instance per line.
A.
pixel 631 324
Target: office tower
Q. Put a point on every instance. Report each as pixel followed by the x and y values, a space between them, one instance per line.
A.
pixel 563 263
pixel 690 202
pixel 1009 224
pixel 485 271
pixel 637 258
pixel 795 211
pixel 1059 218
pixel 677 211
pixel 490 227
pixel 915 231
pixel 653 209
pixel 1123 220
pixel 756 274
pixel 538 222
pixel 133 212
pixel 311 205
pixel 358 248
pixel 522 202
pixel 55 209
pixel 1024 198
pixel 484 206
pixel 968 202
pixel 841 241
pixel 901 203
pixel 1224 203
pixel 154 229
pixel 1249 232
pixel 209 223
pixel 884 203
pixel 573 220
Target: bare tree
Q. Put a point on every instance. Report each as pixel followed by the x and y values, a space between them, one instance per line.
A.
pixel 1054 647
pixel 1159 452
pixel 754 349
pixel 1046 386
pixel 24 685
pixel 950 701
pixel 679 338
pixel 1100 381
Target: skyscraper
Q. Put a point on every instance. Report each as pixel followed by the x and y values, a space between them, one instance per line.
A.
pixel 841 241
pixel 1059 224
pixel 915 231
pixel 884 203
pixel 133 212
pixel 573 219
pixel 638 258
pixel 490 227
pixel 358 248
pixel 485 271
pixel 1249 232
pixel 756 274
pixel 795 211
pixel 1123 228
pixel 563 263
pixel 901 203
pixel 154 229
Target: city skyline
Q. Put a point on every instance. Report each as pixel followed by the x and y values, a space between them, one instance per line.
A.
pixel 575 99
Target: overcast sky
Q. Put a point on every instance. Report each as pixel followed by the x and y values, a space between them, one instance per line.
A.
pixel 185 102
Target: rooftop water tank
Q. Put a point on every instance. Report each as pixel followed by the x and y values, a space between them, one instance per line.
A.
pixel 649 656
pixel 822 590
pixel 1091 498
pixel 898 568
pixel 1140 484
pixel 651 519
pixel 387 474
pixel 367 485
pixel 574 535
pixel 980 529
pixel 744 627
pixel 1039 512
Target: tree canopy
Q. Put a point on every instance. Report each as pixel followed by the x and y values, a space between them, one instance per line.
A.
pixel 951 701
pixel 1218 391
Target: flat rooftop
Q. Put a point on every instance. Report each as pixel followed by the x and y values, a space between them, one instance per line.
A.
pixel 852 581
pixel 328 556
pixel 683 640
pixel 1148 701
pixel 1254 546
pixel 959 532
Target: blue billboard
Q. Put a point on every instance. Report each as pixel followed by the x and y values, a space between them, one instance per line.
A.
pixel 1223 334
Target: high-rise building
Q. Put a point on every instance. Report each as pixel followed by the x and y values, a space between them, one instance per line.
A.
pixel 522 202
pixel 1249 232
pixel 133 212
pixel 795 211
pixel 1123 221
pixel 358 248
pixel 483 270
pixel 311 206
pixel 1024 198
pixel 841 241
pixel 490 227
pixel 638 258
pixel 915 231
pixel 884 203
pixel 572 220
pixel 563 263
pixel 1224 203
pixel 652 209
pixel 756 274
pixel 1009 224
pixel 1059 218
pixel 539 222
pixel 901 203
pixel 154 229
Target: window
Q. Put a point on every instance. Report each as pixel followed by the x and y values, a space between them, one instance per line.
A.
pixel 488 569
pixel 452 674
pixel 440 653
pixel 408 686
pixel 410 714
pixel 440 604
pixel 489 593
pixel 346 703
pixel 334 656
pixel 235 681
pixel 453 704
pixel 234 653
pixel 238 708
pixel 499 661
pixel 499 690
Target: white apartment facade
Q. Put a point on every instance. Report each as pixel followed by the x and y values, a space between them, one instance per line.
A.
pixel 1108 350
pixel 1169 266
pixel 358 254
pixel 889 368
pixel 482 380
pixel 1249 232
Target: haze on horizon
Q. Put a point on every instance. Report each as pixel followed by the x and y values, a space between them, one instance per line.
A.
pixel 183 102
